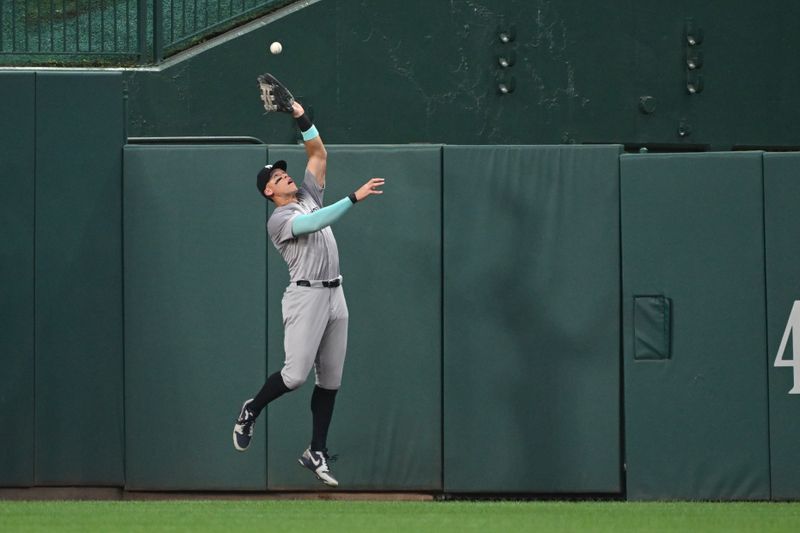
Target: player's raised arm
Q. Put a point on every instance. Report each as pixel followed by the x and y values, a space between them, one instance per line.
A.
pixel 276 97
pixel 317 155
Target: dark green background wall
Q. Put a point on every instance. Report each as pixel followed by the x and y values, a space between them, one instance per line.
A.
pixel 17 176
pixel 531 319
pixel 696 421
pixel 781 195
pixel 62 279
pixel 714 233
pixel 78 273
pixel 195 269
pixel 422 71
pixel 485 329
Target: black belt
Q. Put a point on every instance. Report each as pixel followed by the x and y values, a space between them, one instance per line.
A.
pixel 330 284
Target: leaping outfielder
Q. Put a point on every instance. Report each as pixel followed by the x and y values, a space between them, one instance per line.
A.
pixel 314 309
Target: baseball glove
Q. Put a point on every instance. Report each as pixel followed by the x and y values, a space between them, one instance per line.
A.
pixel 275 96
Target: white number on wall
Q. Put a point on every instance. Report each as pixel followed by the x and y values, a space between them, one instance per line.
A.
pixel 793 329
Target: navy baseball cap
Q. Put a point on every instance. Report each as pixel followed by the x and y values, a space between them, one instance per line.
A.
pixel 266 173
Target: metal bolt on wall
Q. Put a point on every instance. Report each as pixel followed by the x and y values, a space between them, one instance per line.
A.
pixel 505 59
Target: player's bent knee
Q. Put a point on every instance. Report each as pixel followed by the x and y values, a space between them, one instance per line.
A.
pixel 292 382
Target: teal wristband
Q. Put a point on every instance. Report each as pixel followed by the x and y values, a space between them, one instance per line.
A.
pixel 310 133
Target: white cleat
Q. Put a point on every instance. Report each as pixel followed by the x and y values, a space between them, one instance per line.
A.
pixel 317 462
pixel 243 429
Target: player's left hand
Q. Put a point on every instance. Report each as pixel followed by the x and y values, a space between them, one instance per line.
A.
pixel 369 188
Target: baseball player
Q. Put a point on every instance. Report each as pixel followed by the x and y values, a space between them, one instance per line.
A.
pixel 314 309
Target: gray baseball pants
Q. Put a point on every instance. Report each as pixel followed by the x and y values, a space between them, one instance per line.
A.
pixel 315 334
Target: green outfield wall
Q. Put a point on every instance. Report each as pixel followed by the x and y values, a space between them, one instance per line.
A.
pixel 531 319
pixel 62 328
pixel 78 279
pixel 194 314
pixel 378 72
pixel 523 319
pixel 781 195
pixel 17 175
pixel 697 423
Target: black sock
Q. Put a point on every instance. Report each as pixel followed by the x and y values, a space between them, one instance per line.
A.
pixel 322 401
pixel 273 388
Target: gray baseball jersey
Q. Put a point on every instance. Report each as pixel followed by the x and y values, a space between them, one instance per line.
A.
pixel 315 318
pixel 313 256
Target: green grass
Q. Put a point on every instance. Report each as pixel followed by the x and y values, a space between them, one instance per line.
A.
pixel 359 516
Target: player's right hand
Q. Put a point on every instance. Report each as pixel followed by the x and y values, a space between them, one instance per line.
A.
pixel 370 187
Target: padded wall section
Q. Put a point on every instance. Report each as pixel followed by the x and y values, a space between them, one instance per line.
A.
pixel 386 427
pixel 692 231
pixel 531 319
pixel 79 403
pixel 194 315
pixel 17 158
pixel 781 198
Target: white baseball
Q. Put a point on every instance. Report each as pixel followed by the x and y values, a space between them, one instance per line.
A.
pixel 276 48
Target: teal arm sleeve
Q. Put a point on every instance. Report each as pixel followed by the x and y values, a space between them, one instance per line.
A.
pixel 322 218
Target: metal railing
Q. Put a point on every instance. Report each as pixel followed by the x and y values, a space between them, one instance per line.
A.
pixel 68 32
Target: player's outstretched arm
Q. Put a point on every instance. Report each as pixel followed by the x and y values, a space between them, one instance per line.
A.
pixel 315 149
pixel 322 218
